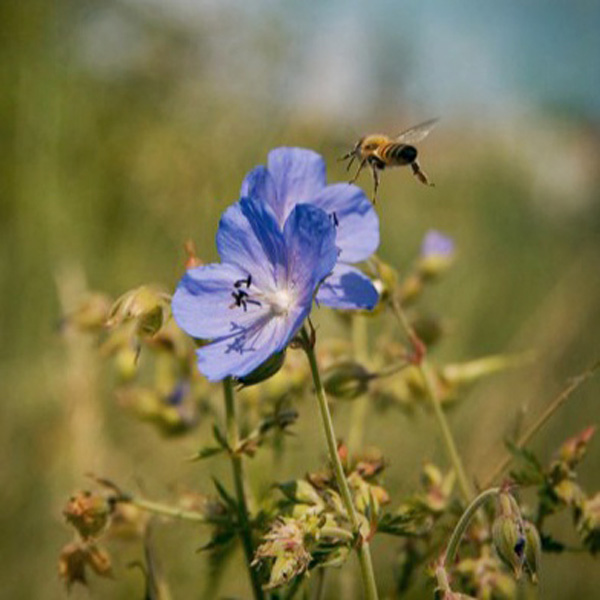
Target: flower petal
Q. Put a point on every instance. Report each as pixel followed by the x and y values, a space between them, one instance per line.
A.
pixel 347 288
pixel 202 303
pixel 312 252
pixel 357 221
pixel 241 352
pixel 259 184
pixel 298 175
pixel 250 238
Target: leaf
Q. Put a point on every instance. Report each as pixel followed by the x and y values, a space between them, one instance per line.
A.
pixel 531 471
pixel 549 544
pixel 220 438
pixel 207 452
pixel 229 500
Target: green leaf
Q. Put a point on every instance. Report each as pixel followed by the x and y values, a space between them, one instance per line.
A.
pixel 229 500
pixel 531 471
pixel 207 452
pixel 220 438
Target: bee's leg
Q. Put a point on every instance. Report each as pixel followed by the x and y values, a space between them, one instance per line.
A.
pixel 375 172
pixel 420 174
pixel 360 168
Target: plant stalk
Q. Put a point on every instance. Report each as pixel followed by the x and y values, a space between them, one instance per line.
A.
pixel 238 479
pixel 364 555
pixel 432 394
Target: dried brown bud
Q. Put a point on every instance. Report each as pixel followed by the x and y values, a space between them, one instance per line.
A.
pixel 76 557
pixel 88 513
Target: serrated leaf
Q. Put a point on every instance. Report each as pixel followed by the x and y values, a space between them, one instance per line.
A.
pixel 549 544
pixel 531 472
pixel 220 538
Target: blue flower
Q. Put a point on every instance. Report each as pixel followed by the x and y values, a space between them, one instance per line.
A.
pixel 296 175
pixel 253 302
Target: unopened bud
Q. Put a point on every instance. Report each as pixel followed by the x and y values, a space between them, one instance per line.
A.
pixel 145 306
pixel 192 260
pixel 533 550
pixel 301 491
pixel 346 380
pixel 264 371
pixel 437 254
pixel 509 541
pixel 574 449
pixel 88 513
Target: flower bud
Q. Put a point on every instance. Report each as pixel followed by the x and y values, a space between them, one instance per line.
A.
pixel 301 491
pixel 573 450
pixel 144 305
pixel 509 541
pixel 346 380
pixel 437 254
pixel 533 550
pixel 264 371
pixel 88 513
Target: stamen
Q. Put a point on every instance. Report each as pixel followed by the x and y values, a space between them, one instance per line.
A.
pixel 334 219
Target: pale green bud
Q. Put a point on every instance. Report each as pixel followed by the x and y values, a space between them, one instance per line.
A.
pixel 533 550
pixel 509 541
pixel 264 371
pixel 346 380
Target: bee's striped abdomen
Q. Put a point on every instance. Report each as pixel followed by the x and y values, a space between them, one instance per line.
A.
pixel 398 154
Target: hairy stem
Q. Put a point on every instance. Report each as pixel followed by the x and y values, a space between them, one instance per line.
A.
pixel 463 523
pixel 364 554
pixel 433 397
pixel 245 532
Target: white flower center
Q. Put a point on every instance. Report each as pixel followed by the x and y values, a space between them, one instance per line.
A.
pixel 281 301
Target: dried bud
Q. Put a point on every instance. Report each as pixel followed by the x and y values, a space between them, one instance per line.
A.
pixel 346 380
pixel 411 289
pixel 533 550
pixel 192 260
pixel 90 314
pixel 264 371
pixel 88 513
pixel 438 487
pixel 76 557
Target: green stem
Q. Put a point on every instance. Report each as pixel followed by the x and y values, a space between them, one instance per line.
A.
pixel 364 555
pixel 463 523
pixel 170 511
pixel 238 479
pixel 433 397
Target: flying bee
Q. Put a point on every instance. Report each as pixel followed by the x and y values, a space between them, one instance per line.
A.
pixel 379 151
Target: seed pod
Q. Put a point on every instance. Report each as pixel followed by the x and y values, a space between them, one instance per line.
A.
pixel 509 541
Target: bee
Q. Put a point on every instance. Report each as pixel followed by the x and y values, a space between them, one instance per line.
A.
pixel 379 151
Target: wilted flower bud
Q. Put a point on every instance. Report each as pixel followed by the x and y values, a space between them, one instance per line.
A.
pixel 88 513
pixel 411 288
pixel 437 254
pixel 533 550
pixel 346 380
pixel 76 557
pixel 264 371
pixel 91 313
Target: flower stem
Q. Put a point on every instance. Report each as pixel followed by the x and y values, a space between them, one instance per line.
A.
pixel 463 523
pixel 432 395
pixel 169 511
pixel 364 555
pixel 238 479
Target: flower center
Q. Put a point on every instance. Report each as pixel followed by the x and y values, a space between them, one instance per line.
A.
pixel 281 301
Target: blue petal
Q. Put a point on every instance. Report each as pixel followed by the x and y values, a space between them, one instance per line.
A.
pixel 358 223
pixel 298 175
pixel 259 184
pixel 250 238
pixel 347 288
pixel 240 353
pixel 202 303
pixel 312 253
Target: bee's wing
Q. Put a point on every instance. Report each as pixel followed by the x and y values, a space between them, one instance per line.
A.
pixel 417 133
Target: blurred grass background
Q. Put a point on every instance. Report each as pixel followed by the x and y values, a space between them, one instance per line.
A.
pixel 127 127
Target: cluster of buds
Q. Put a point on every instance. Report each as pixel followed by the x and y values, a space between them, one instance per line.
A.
pixel 516 540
